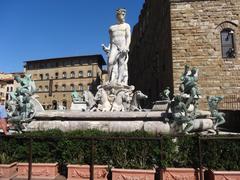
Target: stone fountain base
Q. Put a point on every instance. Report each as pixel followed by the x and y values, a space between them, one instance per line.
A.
pixel 152 122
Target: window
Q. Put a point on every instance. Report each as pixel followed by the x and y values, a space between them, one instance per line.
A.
pixel 80 74
pixel 64 103
pixel 47 76
pixel 89 73
pixel 227 43
pixel 72 87
pixel 56 87
pixel 40 88
pixel 64 75
pixel 72 74
pixel 41 76
pixel 7 89
pixel 64 87
pixel 56 75
pixel 54 105
pixel 80 87
pixel 89 87
pixel 46 88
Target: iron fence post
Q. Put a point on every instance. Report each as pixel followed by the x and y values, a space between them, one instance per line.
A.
pixel 200 157
pixel 92 160
pixel 30 160
pixel 161 157
pixel 161 150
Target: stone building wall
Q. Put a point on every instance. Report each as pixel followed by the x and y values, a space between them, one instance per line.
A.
pixel 196 28
pixel 172 33
pixel 150 62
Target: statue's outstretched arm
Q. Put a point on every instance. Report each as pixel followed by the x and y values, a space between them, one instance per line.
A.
pixel 106 49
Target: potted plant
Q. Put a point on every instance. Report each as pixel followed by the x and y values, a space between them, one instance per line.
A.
pixel 44 156
pixel 76 156
pixel 216 175
pixel 122 174
pixel 39 170
pixel 77 170
pixel 82 172
pixel 132 160
pixel 180 173
pixel 8 168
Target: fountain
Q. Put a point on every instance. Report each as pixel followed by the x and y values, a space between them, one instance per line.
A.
pixel 116 105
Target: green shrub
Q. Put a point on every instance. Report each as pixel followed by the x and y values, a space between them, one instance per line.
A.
pixel 221 154
pixel 122 153
pixel 5 159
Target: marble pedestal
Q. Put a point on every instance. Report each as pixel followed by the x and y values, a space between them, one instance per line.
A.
pixel 160 105
pixel 80 106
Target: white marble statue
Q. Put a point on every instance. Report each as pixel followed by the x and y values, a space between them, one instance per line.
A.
pixel 102 97
pixel 117 51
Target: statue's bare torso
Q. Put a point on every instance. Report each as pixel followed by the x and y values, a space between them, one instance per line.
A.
pixel 118 35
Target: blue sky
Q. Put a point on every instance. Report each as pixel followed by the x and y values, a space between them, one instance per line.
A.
pixel 39 29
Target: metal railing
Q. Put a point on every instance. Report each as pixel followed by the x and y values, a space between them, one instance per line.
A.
pixel 93 141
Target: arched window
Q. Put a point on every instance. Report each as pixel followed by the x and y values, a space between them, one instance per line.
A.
pixel 64 87
pixel 89 73
pixel 72 87
pixel 64 103
pixel 80 87
pixel 46 88
pixel 72 74
pixel 89 87
pixel 64 75
pixel 227 43
pixel 56 75
pixel 54 104
pixel 56 87
pixel 40 88
pixel 80 74
pixel 46 76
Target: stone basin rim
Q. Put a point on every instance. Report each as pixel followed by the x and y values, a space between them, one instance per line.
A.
pixel 78 115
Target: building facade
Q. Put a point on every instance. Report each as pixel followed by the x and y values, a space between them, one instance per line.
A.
pixel 201 33
pixel 57 78
pixel 8 84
